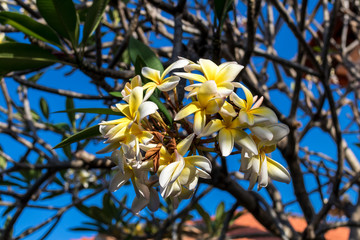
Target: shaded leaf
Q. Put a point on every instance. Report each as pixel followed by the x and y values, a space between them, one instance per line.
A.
pixel 93 18
pixel 138 49
pixel 19 56
pixel 44 108
pixel 84 134
pixel 30 27
pixel 61 16
pixel 107 111
pixel 162 108
pixel 71 115
pixel 205 216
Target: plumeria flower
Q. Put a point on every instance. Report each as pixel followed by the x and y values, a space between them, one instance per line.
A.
pixel 162 82
pixel 183 172
pixel 206 105
pixel 223 75
pixel 258 168
pixel 128 130
pixel 130 168
pixel 129 86
pixel 230 132
pixel 251 111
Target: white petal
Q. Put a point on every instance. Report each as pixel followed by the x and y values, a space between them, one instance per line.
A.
pixel 200 162
pixel 154 200
pixel 263 175
pixel 138 204
pixel 202 174
pixel 199 121
pixel 118 158
pixel 244 140
pixel 193 183
pixel 171 172
pixel 262 132
pixel 226 142
pixel 178 64
pixel 170 84
pixel 277 172
pixel 147 108
pixel 246 161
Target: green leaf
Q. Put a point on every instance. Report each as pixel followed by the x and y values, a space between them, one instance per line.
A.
pixel 44 108
pixel 205 216
pixel 116 94
pixel 107 111
pixel 222 7
pixel 3 162
pixel 93 18
pixel 94 213
pixel 30 27
pixel 61 16
pixel 84 134
pixel 138 49
pixel 19 56
pixel 162 108
pixel 71 115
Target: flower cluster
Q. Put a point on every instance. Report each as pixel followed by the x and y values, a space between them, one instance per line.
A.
pixel 172 156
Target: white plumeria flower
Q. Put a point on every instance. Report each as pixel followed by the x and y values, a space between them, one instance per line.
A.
pixel 230 132
pixel 130 168
pixel 223 75
pixel 258 168
pixel 162 82
pixel 183 172
pixel 207 104
pixel 128 130
pixel 251 111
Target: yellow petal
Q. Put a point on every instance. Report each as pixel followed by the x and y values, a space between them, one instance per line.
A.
pixel 211 127
pixel 136 98
pixel 187 110
pixel 209 68
pixel 136 82
pixel 237 100
pixel 214 105
pixel 228 72
pixel 183 146
pixel 151 74
pixel 199 121
pixel 249 97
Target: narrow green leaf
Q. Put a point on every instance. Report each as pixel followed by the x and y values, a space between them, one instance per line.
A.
pixel 116 94
pixel 222 7
pixel 19 56
pixel 3 162
pixel 71 115
pixel 83 229
pixel 44 108
pixel 61 16
pixel 93 18
pixel 137 48
pixel 30 27
pixel 162 108
pixel 84 134
pixel 107 111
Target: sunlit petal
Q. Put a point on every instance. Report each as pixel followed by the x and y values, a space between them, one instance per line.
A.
pixel 199 121
pixel 266 113
pixel 244 140
pixel 136 98
pixel 262 132
pixel 237 100
pixel 183 146
pixel 147 108
pixel 211 127
pixel 170 84
pixel 209 68
pixel 277 172
pixel 149 91
pixel 225 89
pixel 187 110
pixel 206 92
pixel 226 142
pixel 228 72
pixel 191 76
pixel 151 74
pixel 178 64
pixel 200 162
